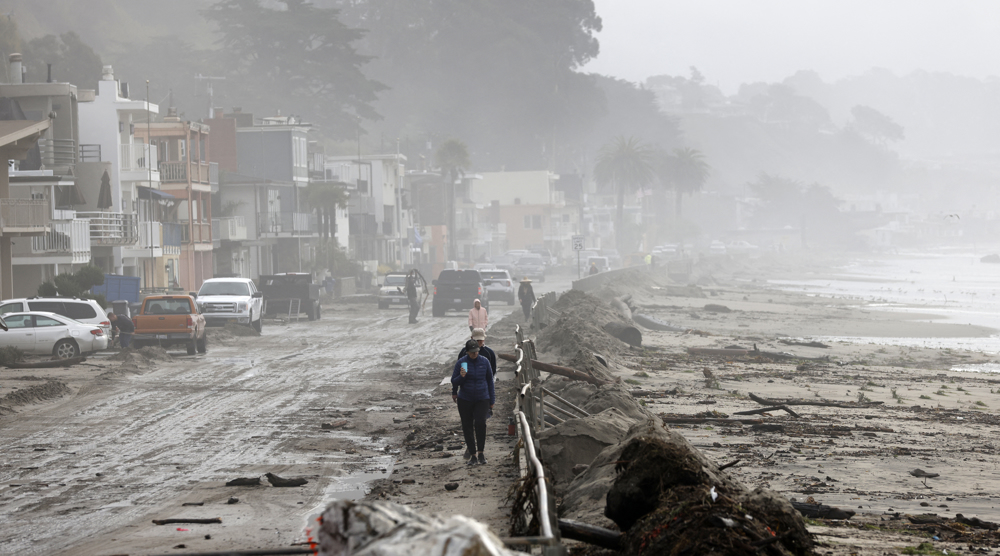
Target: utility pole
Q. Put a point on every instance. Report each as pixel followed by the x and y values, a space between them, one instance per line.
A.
pixel 211 92
pixel 149 176
pixel 399 206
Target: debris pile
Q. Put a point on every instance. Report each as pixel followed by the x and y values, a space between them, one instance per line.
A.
pixel 385 528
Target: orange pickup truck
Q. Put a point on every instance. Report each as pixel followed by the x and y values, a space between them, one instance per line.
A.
pixel 166 320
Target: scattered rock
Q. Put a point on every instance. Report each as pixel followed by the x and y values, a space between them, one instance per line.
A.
pixel 334 425
pixel 235 500
pixel 408 481
pixel 244 482
pixel 716 308
pixel 451 486
pixel 821 511
pixel 579 468
pixel 920 473
pixel 279 482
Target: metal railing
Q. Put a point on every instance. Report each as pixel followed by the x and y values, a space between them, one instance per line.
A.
pixel 57 152
pixel 135 157
pixel 112 228
pixel 90 153
pixel 229 228
pixel 28 215
pixel 70 237
pixel 287 223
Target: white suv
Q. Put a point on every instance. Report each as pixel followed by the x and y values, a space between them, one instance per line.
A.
pixel 87 311
pixel 225 300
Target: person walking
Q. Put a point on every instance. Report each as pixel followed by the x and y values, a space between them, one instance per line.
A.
pixel 593 269
pixel 124 326
pixel 478 317
pixel 476 397
pixel 526 295
pixel 479 336
pixel 411 295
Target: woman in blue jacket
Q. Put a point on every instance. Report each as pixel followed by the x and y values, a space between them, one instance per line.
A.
pixel 474 377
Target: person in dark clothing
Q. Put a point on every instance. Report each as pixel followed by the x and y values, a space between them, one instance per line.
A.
pixel 526 294
pixel 593 269
pixel 474 378
pixel 411 295
pixel 478 336
pixel 124 326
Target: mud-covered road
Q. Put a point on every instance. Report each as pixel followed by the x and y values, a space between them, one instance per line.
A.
pixel 137 440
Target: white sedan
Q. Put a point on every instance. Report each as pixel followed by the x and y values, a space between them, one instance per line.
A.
pixel 51 334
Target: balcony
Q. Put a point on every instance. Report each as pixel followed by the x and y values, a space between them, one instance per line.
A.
pixel 200 172
pixel 134 157
pixel 66 237
pixel 57 153
pixel 112 228
pixel 172 238
pixel 199 232
pixel 90 153
pixel 25 216
pixel 229 228
pixel 287 224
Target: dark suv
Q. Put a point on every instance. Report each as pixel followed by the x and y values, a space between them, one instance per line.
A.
pixel 459 289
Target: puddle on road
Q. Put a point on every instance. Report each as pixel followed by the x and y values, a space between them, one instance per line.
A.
pixel 352 487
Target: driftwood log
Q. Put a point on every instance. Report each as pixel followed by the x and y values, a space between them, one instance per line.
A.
pixel 557 370
pixel 590 534
pixel 821 511
pixel 715 420
pixel 768 410
pixel 186 520
pixel 800 401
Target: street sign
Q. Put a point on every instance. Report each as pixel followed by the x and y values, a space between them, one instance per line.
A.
pixel 578 243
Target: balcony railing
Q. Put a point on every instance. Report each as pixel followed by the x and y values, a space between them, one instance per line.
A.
pixel 70 237
pixel 24 215
pixel 135 156
pixel 150 235
pixel 112 228
pixel 173 172
pixel 172 235
pixel 200 232
pixel 90 153
pixel 287 223
pixel 229 228
pixel 203 172
pixel 57 152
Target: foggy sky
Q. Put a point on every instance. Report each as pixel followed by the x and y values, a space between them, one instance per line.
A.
pixel 737 41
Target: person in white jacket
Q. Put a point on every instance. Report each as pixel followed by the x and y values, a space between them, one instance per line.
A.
pixel 478 317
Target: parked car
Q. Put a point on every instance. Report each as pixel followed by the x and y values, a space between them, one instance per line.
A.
pixel 458 289
pixel 530 266
pixel 225 300
pixel 546 256
pixel 87 311
pixel 741 246
pixel 500 285
pixel 168 320
pixel 717 247
pixel 484 266
pixel 46 333
pixel 284 291
pixel 392 292
pixel 600 262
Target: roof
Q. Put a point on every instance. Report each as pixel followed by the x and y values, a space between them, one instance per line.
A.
pixel 12 131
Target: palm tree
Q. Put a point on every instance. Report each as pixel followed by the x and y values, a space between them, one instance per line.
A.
pixel 325 197
pixel 452 157
pixel 685 171
pixel 625 164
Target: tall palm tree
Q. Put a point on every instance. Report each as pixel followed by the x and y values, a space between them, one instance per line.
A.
pixel 325 197
pixel 626 164
pixel 685 171
pixel 452 157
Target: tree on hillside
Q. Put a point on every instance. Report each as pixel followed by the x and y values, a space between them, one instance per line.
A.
pixel 452 157
pixel 626 164
pixel 684 171
pixel 785 202
pixel 73 61
pixel 325 197
pixel 10 37
pixel 295 58
pixel 502 73
pixel 876 125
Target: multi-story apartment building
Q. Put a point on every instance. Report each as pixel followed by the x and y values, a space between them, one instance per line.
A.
pixel 266 196
pixel 379 212
pixel 124 203
pixel 47 175
pixel 182 150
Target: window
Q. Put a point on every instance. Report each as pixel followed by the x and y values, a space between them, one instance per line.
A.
pixel 11 308
pixel 47 306
pixel 18 321
pixel 41 322
pixel 527 221
pixel 536 222
pixel 182 150
pixel 224 288
pixel 79 311
pixel 167 306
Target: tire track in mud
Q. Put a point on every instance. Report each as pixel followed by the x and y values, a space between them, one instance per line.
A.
pixel 157 436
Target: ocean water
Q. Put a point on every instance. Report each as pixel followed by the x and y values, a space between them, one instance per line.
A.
pixel 953 287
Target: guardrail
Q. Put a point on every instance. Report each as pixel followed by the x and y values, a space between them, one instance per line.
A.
pixel 531 415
